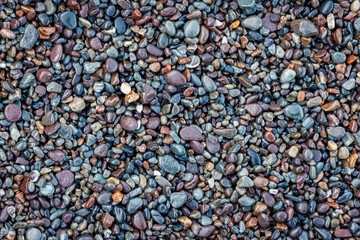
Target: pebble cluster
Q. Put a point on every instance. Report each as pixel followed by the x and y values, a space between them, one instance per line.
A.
pixel 179 119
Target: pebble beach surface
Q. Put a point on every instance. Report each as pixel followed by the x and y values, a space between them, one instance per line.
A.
pixel 179 119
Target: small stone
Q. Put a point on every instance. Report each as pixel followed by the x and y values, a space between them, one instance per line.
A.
pixel 326 7
pixel 178 199
pixel 208 84
pixel 12 112
pixel 43 75
pixel 254 109
pixel 54 87
pixel 139 221
pixel 56 53
pixel 129 124
pixel 246 201
pixel 134 204
pixel 77 104
pixel 252 23
pixel 245 181
pixel 30 37
pixel 57 155
pixel 304 28
pixel 342 233
pixel 27 80
pixel 175 78
pixel 120 25
pixel 246 4
pixel 192 28
pixel 33 234
pixel 68 19
pixel 65 178
pixel 294 111
pixel 336 132
pixel 338 57
pixel 287 75
pixel 147 94
pixel 169 164
pixel 293 151
pixel 101 150
pixel 107 220
pixel 190 133
pixel 125 88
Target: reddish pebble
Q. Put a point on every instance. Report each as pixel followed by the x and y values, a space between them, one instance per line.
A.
pixel 12 112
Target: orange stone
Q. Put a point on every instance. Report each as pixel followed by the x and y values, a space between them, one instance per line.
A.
pixel 260 207
pixel 331 106
pixel 132 97
pixel 117 197
pixel 333 90
pixel 47 30
pixel 351 59
pixel 184 220
pixel 301 96
pixel 235 24
pixel 353 159
pixel 251 223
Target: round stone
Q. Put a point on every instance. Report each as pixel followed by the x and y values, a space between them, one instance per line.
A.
pixel 129 124
pixel 12 112
pixel 43 75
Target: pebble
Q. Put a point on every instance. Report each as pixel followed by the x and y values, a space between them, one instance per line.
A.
pixel 12 112
pixel 175 78
pixel 68 19
pixel 252 23
pixel 287 75
pixel 30 37
pixel 65 178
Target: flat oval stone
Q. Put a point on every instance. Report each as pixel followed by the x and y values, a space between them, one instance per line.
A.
pixel 30 37
pixel 77 104
pixel 120 25
pixel 154 50
pixel 68 19
pixel 191 133
pixel 65 178
pixel 129 124
pixel 111 65
pixel 169 164
pixel 12 112
pixel 192 28
pixel 175 78
pixel 57 155
pixel 252 23
pixel 56 53
pixel 104 198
